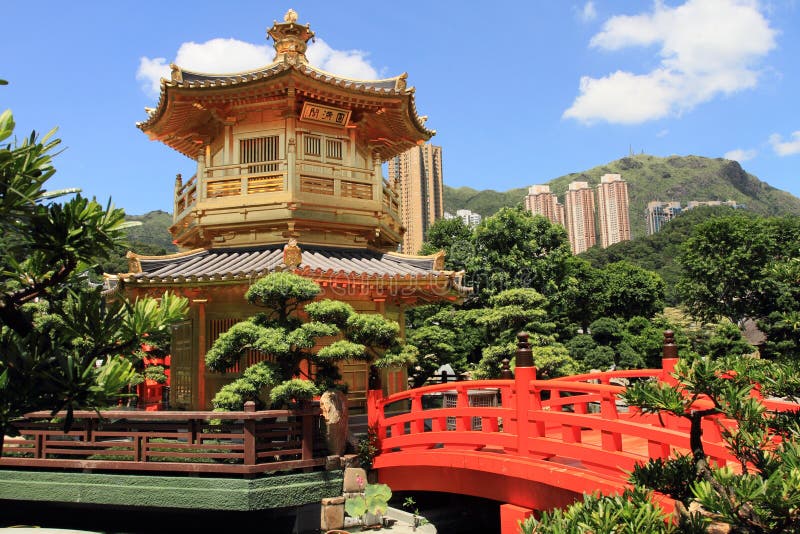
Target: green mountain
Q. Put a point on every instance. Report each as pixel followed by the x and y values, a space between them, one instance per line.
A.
pixel 681 178
pixel 151 238
pixel 153 230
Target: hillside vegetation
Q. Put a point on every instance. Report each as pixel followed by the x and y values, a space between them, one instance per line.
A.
pixel 151 238
pixel 680 178
pixel 153 230
pixel 658 252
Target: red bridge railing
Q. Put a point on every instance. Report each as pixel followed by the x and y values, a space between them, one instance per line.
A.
pixel 578 419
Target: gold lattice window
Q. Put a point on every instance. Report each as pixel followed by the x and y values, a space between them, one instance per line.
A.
pixel 260 150
pixel 312 145
pixel 333 148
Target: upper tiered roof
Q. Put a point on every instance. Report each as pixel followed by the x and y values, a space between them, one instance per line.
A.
pixel 193 106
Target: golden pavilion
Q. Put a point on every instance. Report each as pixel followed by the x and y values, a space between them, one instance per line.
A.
pixel 289 178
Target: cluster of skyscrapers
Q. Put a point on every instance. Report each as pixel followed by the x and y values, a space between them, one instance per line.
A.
pixel 586 211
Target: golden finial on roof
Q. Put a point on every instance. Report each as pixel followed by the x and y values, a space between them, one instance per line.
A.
pixel 291 39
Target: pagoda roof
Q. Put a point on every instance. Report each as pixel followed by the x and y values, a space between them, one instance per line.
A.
pixel 320 263
pixel 190 99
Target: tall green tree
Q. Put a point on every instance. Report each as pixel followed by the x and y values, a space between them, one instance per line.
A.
pixel 630 291
pixel 514 249
pixel 452 236
pixel 723 263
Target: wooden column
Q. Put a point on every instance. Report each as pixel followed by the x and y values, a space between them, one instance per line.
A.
pixel 201 353
pixel 292 183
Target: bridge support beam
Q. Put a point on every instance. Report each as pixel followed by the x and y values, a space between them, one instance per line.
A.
pixel 510 516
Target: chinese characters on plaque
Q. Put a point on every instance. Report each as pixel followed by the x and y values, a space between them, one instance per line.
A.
pixel 324 114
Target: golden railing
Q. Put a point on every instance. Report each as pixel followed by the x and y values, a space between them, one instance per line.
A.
pixel 314 177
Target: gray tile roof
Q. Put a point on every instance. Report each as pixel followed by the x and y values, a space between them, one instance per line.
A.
pixel 246 263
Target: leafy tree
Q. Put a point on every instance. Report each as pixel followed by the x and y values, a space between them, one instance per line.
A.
pixel 658 252
pixel 436 347
pixel 452 236
pixel 723 262
pixel 514 249
pixel 583 297
pixel 283 333
pixel 631 291
pixel 782 323
pixel 514 310
pixel 726 340
pixel 607 331
pixel 645 337
pixel 553 361
pixel 55 324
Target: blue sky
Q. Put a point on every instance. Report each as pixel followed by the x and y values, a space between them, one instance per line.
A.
pixel 519 92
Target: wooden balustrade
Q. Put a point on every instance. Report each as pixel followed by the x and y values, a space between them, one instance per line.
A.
pixel 199 442
pixel 314 177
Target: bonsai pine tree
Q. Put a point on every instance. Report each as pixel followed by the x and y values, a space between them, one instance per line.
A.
pixel 761 496
pixel 288 330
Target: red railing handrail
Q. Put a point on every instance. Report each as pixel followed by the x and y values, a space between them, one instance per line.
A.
pixel 608 375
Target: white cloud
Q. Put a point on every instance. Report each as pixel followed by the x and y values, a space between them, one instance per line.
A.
pixel 588 12
pixel 706 48
pixel 347 63
pixel 740 154
pixel 150 73
pixel 662 133
pixel 231 55
pixel 785 148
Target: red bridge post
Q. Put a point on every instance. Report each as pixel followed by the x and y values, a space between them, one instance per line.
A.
pixel 669 357
pixel 374 414
pixel 523 374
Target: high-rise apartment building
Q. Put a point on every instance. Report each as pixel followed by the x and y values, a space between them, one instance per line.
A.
pixel 612 210
pixel 540 201
pixel 579 216
pixel 469 217
pixel 659 213
pixel 418 173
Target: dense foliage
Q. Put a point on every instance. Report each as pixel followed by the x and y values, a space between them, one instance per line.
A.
pixel 61 337
pixel 525 278
pixel 658 252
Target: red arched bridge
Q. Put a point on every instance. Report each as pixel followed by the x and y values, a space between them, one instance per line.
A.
pixel 530 444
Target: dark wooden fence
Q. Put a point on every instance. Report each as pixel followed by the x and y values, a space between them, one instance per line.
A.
pixel 199 442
